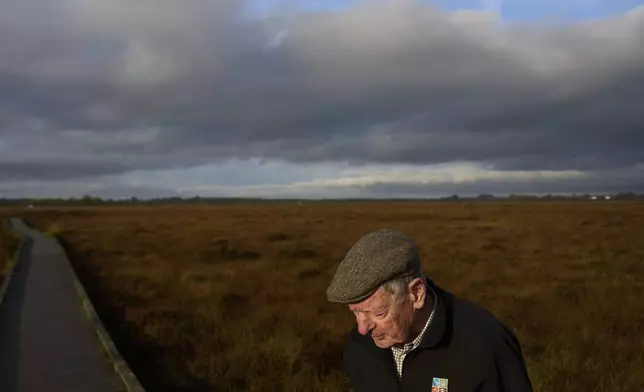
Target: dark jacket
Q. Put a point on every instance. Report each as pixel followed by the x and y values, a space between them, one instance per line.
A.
pixel 465 347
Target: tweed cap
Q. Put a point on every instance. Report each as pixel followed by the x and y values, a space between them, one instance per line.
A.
pixel 376 258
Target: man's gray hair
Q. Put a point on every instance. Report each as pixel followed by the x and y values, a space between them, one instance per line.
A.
pixel 398 288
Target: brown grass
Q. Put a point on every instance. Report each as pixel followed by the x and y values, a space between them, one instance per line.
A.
pixel 8 245
pixel 231 298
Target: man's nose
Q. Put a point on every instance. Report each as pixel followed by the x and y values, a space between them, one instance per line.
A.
pixel 364 325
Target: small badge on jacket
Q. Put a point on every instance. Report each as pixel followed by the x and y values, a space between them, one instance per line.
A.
pixel 439 384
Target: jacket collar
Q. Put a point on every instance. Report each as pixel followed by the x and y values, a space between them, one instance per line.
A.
pixel 437 329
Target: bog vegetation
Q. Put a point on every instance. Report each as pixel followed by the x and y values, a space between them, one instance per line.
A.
pixel 9 242
pixel 231 298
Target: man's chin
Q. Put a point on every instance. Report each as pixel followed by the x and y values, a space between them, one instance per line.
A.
pixel 382 342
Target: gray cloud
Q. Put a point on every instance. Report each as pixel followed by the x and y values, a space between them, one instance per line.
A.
pixel 92 88
pixel 62 168
pixel 597 182
pixel 380 186
pixel 69 189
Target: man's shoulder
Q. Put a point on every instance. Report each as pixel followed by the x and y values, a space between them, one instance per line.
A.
pixel 474 319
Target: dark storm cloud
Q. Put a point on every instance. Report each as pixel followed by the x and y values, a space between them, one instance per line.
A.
pixel 377 83
pixel 45 169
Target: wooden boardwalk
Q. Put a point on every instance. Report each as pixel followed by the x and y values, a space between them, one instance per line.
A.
pixel 46 342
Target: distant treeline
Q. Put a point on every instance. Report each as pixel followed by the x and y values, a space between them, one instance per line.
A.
pixel 88 200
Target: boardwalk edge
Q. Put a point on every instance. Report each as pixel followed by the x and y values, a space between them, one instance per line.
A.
pixel 5 282
pixel 119 365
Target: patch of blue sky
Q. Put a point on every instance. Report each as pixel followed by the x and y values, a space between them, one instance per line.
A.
pixel 531 10
pixel 509 10
pixel 266 7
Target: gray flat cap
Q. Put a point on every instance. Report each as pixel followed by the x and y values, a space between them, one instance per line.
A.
pixel 376 258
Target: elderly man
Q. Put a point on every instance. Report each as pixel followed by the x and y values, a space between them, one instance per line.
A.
pixel 413 336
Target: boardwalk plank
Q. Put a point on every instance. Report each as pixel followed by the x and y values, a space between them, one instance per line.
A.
pixel 46 343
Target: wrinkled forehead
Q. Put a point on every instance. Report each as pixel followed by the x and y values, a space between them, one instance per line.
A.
pixel 380 298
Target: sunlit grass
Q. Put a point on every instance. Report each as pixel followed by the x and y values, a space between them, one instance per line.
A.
pixel 232 297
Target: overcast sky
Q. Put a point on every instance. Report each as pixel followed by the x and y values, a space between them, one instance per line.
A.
pixel 278 98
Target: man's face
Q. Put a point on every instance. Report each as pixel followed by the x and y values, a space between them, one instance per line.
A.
pixel 386 320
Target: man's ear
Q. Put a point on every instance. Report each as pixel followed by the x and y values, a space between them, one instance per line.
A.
pixel 417 292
